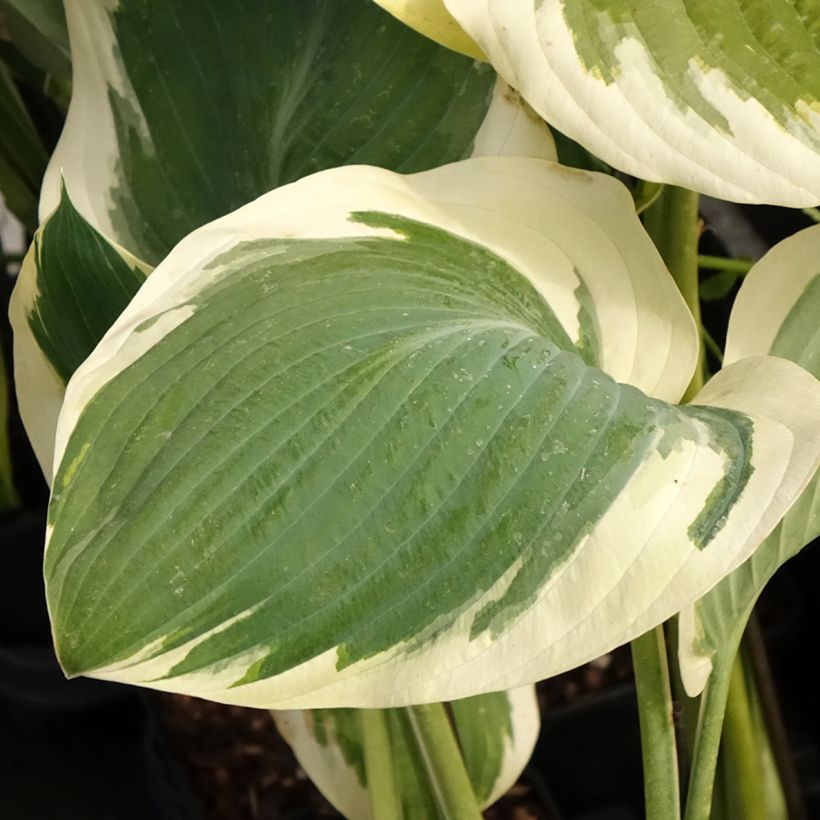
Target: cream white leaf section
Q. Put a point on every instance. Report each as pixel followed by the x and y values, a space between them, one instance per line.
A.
pixel 496 733
pixel 431 18
pixel 365 442
pixel 720 98
pixel 511 128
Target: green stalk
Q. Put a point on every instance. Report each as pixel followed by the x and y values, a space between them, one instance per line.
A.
pixel 766 696
pixel 733 741
pixel 714 347
pixel 745 777
pixel 658 741
pixel 445 765
pixel 707 741
pixel 739 266
pixel 672 222
pixel 378 763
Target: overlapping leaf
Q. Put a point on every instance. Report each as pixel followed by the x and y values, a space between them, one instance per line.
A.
pixel 183 112
pixel 496 734
pixel 362 442
pixel 72 286
pixel 721 97
pixel 776 312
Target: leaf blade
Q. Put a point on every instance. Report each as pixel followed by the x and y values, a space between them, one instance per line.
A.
pixel 703 110
pixel 374 537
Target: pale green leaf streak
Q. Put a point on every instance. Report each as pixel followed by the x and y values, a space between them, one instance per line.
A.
pixel 728 105
pixel 765 47
pixel 392 426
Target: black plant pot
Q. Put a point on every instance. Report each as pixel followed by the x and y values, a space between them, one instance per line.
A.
pixel 79 749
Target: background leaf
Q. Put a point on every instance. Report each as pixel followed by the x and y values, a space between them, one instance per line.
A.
pixel 72 287
pixel 38 29
pixel 722 97
pixel 250 95
pixel 23 157
pixel 496 733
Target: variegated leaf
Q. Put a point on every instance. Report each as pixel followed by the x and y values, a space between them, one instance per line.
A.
pixel 363 443
pixel 722 97
pixel 72 286
pixel 777 311
pixel 183 112
pixel 496 733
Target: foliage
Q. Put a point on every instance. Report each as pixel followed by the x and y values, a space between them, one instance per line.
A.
pixel 350 395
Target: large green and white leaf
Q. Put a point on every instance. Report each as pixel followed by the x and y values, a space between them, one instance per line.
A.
pixel 496 733
pixel 72 285
pixel 183 112
pixel 431 18
pixel 777 311
pixel 363 443
pixel 721 97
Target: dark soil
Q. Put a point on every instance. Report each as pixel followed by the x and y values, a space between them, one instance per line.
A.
pixel 241 769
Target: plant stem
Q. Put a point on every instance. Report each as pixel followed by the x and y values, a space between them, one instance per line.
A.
pixel 658 741
pixel 714 347
pixel 672 222
pixel 445 765
pixel 378 762
pixel 758 662
pixel 707 741
pixel 812 213
pixel 738 266
pixel 741 753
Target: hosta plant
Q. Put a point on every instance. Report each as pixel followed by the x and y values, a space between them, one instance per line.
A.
pixel 350 395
